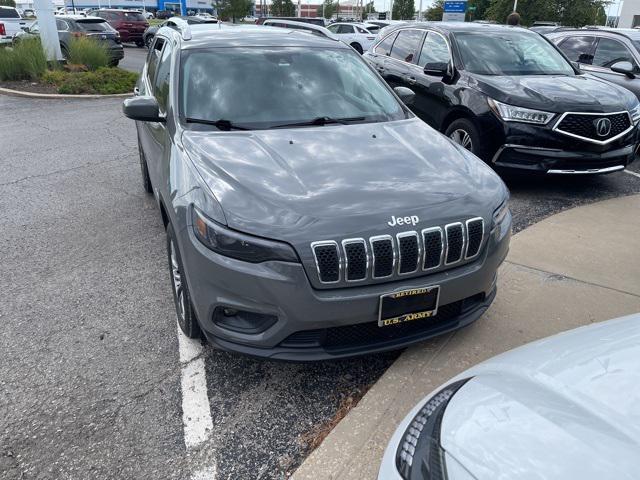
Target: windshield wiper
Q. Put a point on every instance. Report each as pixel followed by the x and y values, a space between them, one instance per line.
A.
pixel 320 121
pixel 220 124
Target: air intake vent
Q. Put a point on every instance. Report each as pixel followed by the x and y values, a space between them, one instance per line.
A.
pixel 475 232
pixel 409 252
pixel 432 240
pixel 383 256
pixel 356 263
pixel 327 261
pixel 455 242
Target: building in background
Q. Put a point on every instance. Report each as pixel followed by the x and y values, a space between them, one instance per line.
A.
pixel 348 8
pixel 629 14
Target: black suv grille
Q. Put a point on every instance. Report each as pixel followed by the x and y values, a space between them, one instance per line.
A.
pixel 475 232
pixel 356 255
pixel 384 256
pixel 586 126
pixel 370 334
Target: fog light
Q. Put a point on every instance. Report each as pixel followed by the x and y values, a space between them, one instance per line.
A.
pixel 242 321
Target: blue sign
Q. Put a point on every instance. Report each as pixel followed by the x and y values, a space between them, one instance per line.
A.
pixel 455 6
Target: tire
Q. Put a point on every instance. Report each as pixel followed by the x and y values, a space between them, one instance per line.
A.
pixel 148 40
pixel 181 296
pixel 64 51
pixel 114 63
pixel 146 180
pixel 464 132
pixel 140 43
pixel 357 47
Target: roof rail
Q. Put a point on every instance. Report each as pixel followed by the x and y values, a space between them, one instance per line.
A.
pixel 183 27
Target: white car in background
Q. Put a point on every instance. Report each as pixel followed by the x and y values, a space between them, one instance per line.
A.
pixel 354 34
pixel 565 407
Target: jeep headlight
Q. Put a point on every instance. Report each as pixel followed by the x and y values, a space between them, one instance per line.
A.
pixel 512 113
pixel 238 245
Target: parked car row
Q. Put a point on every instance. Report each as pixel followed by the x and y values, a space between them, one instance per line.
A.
pixel 510 97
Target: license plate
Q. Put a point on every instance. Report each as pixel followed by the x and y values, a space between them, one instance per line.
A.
pixel 408 305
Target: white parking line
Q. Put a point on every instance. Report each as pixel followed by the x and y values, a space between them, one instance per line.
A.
pixel 196 413
pixel 632 173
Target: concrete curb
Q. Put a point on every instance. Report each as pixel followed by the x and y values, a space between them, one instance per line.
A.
pixel 577 267
pixel 54 96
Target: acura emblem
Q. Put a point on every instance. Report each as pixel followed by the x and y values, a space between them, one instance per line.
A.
pixel 603 126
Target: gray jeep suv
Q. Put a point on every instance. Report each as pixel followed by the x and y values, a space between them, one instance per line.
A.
pixel 309 213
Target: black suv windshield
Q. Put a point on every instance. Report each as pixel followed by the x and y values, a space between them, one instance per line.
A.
pixel 270 87
pixel 511 52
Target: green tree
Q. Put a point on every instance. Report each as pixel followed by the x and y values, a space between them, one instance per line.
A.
pixel 571 13
pixel 233 10
pixel 330 8
pixel 367 9
pixel 8 3
pixel 434 13
pixel 476 9
pixel 283 8
pixel 403 9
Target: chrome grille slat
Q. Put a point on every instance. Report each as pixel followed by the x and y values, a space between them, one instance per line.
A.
pixel 385 256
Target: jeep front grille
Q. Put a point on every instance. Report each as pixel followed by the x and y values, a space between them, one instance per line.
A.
pixel 379 257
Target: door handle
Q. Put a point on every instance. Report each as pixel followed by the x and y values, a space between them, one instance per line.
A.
pixel 411 80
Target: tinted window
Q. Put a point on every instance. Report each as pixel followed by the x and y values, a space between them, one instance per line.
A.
pixel 133 17
pixel 9 13
pixel 163 78
pixel 384 47
pixel 264 87
pixel 154 58
pixel 94 26
pixel 434 50
pixel 345 29
pixel 361 30
pixel 578 49
pixel 609 52
pixel 333 28
pixel 406 45
pixel 510 52
pixel 373 28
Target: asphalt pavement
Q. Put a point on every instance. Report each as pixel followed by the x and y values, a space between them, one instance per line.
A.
pixel 134 58
pixel 89 365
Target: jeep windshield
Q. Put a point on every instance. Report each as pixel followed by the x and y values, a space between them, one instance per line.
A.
pixel 511 52
pixel 260 88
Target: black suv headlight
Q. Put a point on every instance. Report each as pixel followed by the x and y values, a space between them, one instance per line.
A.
pixel 420 455
pixel 513 113
pixel 238 245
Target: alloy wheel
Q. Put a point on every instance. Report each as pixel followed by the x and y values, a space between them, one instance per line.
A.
pixel 176 280
pixel 462 137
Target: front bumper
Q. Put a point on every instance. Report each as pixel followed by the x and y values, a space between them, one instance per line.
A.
pixel 327 324
pixel 116 53
pixel 558 161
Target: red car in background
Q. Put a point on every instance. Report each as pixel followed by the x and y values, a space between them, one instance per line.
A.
pixel 131 24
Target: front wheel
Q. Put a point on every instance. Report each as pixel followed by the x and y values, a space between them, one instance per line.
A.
pixel 181 296
pixel 140 43
pixel 465 134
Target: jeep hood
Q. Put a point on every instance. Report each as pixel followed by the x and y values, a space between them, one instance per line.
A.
pixel 564 407
pixel 555 93
pixel 316 183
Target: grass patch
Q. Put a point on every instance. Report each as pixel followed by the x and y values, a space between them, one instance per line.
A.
pixel 154 22
pixel 87 51
pixel 101 81
pixel 25 61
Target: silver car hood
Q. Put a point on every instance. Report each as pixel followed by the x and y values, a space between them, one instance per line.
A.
pixel 560 408
pixel 303 184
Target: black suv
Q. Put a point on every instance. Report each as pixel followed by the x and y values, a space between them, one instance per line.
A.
pixel 606 53
pixel 508 95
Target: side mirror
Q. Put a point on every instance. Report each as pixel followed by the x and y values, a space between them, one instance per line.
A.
pixel 437 69
pixel 625 68
pixel 406 95
pixel 143 109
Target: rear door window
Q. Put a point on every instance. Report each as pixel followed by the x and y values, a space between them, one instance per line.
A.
pixel 611 51
pixel 345 29
pixel 578 49
pixel 406 46
pixel 9 13
pixel 384 47
pixel 434 50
